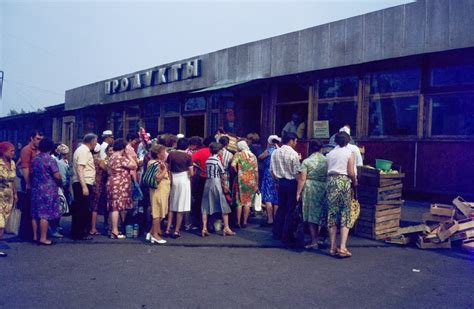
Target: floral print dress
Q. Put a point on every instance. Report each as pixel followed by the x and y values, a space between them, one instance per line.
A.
pixel 246 183
pixel 269 192
pixel 45 202
pixel 314 190
pixel 119 183
pixel 7 178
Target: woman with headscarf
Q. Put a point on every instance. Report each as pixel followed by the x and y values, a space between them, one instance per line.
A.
pixel 246 184
pixel 8 195
pixel 45 183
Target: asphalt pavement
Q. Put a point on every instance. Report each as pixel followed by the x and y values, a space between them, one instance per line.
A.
pixel 248 270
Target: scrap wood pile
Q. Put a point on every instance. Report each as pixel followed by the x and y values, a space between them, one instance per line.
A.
pixel 380 196
pixel 443 226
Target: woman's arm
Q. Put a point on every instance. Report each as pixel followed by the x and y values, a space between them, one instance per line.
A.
pixel 351 172
pixel 301 180
pixel 263 155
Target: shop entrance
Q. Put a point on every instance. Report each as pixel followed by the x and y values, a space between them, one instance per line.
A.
pixel 194 125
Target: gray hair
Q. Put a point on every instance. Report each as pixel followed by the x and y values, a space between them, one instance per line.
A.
pixel 89 138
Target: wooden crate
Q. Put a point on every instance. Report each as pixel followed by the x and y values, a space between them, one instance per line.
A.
pixel 421 228
pixel 375 195
pixel 428 217
pixel 442 210
pixel 372 177
pixel 379 214
pixel 400 239
pixel 424 243
pixel 447 229
pixel 464 207
pixel 463 235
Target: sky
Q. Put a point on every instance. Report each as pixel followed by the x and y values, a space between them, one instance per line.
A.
pixel 48 47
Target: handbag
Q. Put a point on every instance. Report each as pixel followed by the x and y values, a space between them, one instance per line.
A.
pixel 13 223
pixel 149 177
pixel 355 209
pixel 63 204
pixel 257 202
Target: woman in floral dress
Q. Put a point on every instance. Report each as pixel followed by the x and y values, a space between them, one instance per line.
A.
pixel 8 195
pixel 99 201
pixel 119 185
pixel 312 190
pixel 246 184
pixel 44 189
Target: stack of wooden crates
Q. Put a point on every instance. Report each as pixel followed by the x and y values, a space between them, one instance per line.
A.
pixel 380 198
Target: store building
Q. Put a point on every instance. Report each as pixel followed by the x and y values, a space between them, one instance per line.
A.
pixel 402 77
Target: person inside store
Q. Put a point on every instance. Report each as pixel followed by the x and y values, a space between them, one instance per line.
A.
pixel 28 153
pixel 341 180
pixel 312 191
pixel 295 125
pixel 285 166
pixel 45 183
pixel 83 185
pixel 8 194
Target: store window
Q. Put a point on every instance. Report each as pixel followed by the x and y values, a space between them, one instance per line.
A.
pixel 452 115
pixel 393 116
pixel 196 104
pixel 452 75
pixel 132 119
pixel 402 80
pixel 338 114
pixel 116 119
pixel 171 115
pixel 292 92
pixel 292 117
pixel 338 87
pixel 151 115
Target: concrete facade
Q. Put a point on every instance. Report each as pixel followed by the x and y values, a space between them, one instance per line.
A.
pixel 421 27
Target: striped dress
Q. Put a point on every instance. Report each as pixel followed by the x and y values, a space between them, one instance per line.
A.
pixel 213 199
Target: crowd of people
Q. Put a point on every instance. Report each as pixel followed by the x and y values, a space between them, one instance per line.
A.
pixel 173 183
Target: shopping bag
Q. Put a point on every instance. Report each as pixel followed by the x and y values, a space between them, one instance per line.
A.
pixel 13 221
pixel 63 204
pixel 137 194
pixel 355 210
pixel 257 202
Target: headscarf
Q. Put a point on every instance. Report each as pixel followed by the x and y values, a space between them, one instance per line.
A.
pixel 244 148
pixel 62 149
pixel 4 147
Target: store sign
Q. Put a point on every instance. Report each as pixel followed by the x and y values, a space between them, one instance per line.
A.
pixel 153 77
pixel 321 129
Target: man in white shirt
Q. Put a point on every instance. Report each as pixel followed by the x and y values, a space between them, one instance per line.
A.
pixel 108 139
pixel 82 184
pixel 284 166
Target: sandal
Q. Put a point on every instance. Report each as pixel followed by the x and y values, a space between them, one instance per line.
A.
pixel 311 246
pixel 116 236
pixel 344 253
pixel 333 252
pixel 167 234
pixel 176 235
pixel 94 233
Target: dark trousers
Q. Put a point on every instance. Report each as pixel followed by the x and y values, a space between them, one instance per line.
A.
pixel 81 213
pixel 197 191
pixel 26 230
pixel 287 203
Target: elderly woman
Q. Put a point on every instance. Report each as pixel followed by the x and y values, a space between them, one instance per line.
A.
pixel 213 199
pixel 268 187
pixel 341 176
pixel 159 196
pixel 8 195
pixel 312 190
pixel 119 185
pixel 99 189
pixel 45 183
pixel 246 184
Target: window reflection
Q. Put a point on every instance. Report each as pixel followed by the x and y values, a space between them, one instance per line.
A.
pixel 452 75
pixel 393 116
pixel 338 115
pixel 395 81
pixel 453 115
pixel 338 87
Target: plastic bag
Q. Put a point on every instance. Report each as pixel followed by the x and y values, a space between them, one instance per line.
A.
pixel 257 202
pixel 13 222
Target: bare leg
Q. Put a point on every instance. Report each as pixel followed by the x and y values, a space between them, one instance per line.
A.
pixel 156 228
pixel 204 222
pixel 344 237
pixel 170 221
pixel 94 223
pixel 114 217
pixel 44 231
pixel 269 209
pixel 34 225
pixel 246 214
pixel 179 220
pixel 239 215
pixel 314 230
pixel 225 218
pixel 332 238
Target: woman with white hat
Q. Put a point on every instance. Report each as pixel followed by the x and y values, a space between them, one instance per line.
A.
pixel 269 192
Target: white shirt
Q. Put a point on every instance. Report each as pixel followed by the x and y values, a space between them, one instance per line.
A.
pixel 337 160
pixel 285 162
pixel 83 156
pixel 358 156
pixel 103 147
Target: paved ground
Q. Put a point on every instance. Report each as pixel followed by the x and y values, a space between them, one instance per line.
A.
pixel 250 270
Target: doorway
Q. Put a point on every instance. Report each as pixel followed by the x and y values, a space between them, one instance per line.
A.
pixel 195 125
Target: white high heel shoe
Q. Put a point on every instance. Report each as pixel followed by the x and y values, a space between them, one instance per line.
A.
pixel 158 241
pixel 148 237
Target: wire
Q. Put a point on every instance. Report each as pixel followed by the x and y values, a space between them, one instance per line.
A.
pixel 35 87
